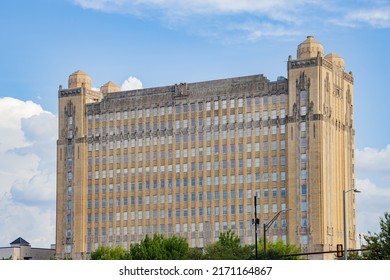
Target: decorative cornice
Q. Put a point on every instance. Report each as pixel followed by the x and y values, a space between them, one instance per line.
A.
pixel 69 92
pixel 201 91
pixel 303 63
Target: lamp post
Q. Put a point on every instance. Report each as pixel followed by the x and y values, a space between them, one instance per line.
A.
pixel 345 220
pixel 268 225
pixel 256 222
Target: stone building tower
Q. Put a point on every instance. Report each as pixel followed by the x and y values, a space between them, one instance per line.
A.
pixel 71 164
pixel 320 148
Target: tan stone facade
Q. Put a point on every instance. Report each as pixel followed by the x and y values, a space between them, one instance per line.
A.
pixel 188 159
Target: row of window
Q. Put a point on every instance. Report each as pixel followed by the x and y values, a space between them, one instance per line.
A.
pixel 209 150
pixel 185 108
pixel 186 167
pixel 185 212
pixel 193 182
pixel 184 153
pixel 178 138
pixel 184 197
pixel 215 180
pixel 185 123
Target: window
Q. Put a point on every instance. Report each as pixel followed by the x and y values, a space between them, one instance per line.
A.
pixel 200 107
pixel 282 98
pixel 304 222
pixel 273 114
pixel 248 101
pixel 224 104
pixel 178 109
pixel 283 129
pixel 304 189
pixel 216 105
pixel 208 106
pixel 282 113
pixel 232 103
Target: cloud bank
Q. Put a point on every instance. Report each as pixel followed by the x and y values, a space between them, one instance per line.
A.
pixel 27 172
pixel 373 159
pixel 250 19
pixel 373 180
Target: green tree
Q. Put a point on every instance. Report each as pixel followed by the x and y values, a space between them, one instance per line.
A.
pixel 107 253
pixel 378 244
pixel 195 254
pixel 228 247
pixel 353 256
pixel 160 248
pixel 277 251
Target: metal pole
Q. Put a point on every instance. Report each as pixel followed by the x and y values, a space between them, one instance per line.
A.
pixel 265 238
pixel 254 199
pixel 345 220
pixel 345 226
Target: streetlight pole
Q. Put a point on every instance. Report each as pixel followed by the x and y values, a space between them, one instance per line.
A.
pixel 255 221
pixel 345 220
pixel 268 225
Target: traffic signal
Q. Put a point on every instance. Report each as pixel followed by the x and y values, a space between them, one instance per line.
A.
pixel 340 251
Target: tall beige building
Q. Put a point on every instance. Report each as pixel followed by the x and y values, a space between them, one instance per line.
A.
pixel 188 159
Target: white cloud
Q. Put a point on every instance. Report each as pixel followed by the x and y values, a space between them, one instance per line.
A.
pixel 377 17
pixel 195 6
pixel 256 30
pixel 12 111
pixel 212 18
pixel 372 159
pixel 221 20
pixel 35 224
pixel 131 83
pixel 27 172
pixel 372 171
pixel 371 203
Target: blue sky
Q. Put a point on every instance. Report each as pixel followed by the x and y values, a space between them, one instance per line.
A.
pixel 162 42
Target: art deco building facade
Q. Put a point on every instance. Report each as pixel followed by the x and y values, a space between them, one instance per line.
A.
pixel 188 159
